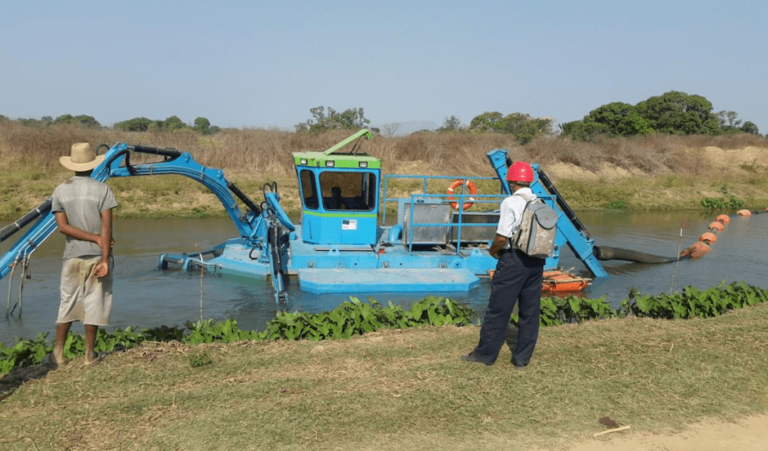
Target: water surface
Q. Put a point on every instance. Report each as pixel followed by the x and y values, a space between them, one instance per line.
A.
pixel 148 297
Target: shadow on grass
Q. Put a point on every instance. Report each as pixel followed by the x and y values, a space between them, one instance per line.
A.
pixel 18 376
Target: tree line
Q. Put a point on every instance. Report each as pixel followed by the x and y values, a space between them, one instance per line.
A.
pixel 674 112
pixel 140 124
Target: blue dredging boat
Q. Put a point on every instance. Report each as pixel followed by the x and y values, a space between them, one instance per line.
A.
pixel 345 242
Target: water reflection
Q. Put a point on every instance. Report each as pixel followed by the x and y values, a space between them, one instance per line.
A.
pixel 149 297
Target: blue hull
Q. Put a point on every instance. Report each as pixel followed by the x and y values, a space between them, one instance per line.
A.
pixel 324 269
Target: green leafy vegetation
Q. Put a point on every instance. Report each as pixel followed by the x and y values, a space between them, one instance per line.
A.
pixel 142 124
pixel 355 317
pixel 522 126
pixel 731 201
pixel 672 113
pixel 618 204
pixel 718 204
pixel 330 119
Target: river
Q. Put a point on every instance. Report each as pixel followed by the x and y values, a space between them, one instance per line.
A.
pixel 148 297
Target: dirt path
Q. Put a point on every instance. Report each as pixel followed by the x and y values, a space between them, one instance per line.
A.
pixel 746 434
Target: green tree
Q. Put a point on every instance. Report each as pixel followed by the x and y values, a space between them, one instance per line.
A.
pixel 137 124
pixel 729 121
pixel 522 126
pixel 202 125
pixel 451 124
pixel 577 130
pixel 81 120
pixel 31 122
pixel 617 119
pixel 678 113
pixel 749 127
pixel 349 119
pixel 487 123
pixel 173 123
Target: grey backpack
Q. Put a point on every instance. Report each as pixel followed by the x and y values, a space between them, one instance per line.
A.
pixel 538 229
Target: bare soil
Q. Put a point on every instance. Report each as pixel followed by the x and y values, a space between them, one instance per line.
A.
pixel 746 434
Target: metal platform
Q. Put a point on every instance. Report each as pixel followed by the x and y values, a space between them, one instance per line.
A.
pixel 322 281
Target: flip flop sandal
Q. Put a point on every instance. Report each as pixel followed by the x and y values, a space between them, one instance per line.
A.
pixel 95 361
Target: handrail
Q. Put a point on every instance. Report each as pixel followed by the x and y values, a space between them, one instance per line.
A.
pixel 491 200
pixel 425 179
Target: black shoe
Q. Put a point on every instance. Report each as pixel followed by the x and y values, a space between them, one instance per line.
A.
pixel 518 367
pixel 471 357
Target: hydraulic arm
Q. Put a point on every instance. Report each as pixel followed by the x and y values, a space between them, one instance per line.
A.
pixel 251 224
pixel 570 230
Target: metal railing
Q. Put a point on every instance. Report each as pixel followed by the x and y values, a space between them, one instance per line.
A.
pixel 459 198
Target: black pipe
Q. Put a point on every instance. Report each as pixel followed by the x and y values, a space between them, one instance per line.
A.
pixel 615 253
pixel 35 213
pixel 241 195
pixel 173 153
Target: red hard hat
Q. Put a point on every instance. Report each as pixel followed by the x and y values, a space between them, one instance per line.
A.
pixel 520 172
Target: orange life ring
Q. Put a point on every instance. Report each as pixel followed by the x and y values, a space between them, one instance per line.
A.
pixel 468 185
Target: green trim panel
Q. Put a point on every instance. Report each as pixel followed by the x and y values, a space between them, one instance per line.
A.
pixel 318 159
pixel 347 161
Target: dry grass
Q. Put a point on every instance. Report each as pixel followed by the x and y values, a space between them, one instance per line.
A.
pixel 586 173
pixel 266 153
pixel 400 390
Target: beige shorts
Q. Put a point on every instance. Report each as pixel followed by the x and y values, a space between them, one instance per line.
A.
pixel 84 297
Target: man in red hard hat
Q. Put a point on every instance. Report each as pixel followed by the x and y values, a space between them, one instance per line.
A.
pixel 517 276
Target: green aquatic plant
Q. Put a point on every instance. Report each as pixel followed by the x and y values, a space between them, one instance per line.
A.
pixel 355 317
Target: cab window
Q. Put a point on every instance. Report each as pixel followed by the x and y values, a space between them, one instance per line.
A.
pixel 348 190
pixel 309 190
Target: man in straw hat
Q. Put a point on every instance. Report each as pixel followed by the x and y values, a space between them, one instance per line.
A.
pixel 83 209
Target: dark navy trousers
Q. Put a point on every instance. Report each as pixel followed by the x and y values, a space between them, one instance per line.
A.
pixel 517 276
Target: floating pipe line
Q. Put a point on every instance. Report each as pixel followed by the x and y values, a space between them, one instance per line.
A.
pixel 707 239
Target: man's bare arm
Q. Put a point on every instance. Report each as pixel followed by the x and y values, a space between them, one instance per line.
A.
pixel 74 232
pixel 499 243
pixel 105 243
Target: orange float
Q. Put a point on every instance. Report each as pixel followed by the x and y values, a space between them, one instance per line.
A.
pixel 716 226
pixel 708 237
pixel 744 213
pixel 468 186
pixel 696 250
pixel 561 282
pixel 724 219
pixel 558 282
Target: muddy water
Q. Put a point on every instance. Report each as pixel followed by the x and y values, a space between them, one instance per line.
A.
pixel 146 296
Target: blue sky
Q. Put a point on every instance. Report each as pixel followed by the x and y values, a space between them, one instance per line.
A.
pixel 265 64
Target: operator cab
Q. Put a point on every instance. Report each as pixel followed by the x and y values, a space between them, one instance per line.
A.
pixel 339 194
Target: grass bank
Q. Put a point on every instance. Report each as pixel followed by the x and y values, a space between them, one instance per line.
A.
pixel 400 389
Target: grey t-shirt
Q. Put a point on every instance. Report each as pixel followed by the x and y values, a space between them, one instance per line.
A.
pixel 83 199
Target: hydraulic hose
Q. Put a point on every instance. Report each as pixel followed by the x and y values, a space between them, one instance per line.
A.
pixel 615 253
pixel 170 153
pixel 246 200
pixel 35 213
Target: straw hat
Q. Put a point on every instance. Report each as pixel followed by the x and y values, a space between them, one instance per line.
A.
pixel 82 158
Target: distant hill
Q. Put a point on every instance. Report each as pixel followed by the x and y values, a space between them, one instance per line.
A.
pixel 406 128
